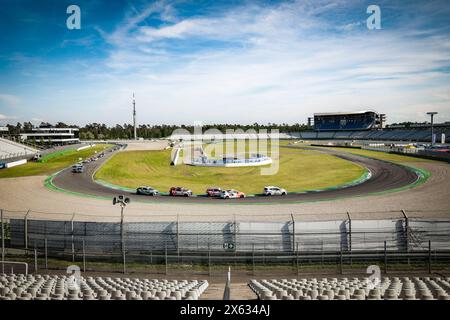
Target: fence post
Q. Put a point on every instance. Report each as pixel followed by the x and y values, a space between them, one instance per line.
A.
pixel 406 229
pixel 253 259
pixel 298 270
pixel 264 253
pixel 26 231
pixel 165 257
pixel 209 259
pixel 84 256
pixel 293 231
pixel 72 237
pixel 349 232
pixel 227 290
pixel 235 232
pixel 385 257
pixel 407 235
pixel 178 237
pixel 35 260
pixel 46 253
pixel 429 256
pixel 3 241
pixel 321 255
pixel 124 258
pixel 235 242
pixel 341 260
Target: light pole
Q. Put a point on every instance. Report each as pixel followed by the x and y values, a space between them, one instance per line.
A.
pixel 3 241
pixel 122 201
pixel 432 129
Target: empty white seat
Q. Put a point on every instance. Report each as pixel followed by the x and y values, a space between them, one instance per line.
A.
pixel 394 288
pixel 44 287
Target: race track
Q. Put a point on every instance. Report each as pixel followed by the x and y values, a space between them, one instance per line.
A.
pixel 384 176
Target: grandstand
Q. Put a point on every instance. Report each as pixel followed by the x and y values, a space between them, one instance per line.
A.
pixel 10 149
pixel 409 135
pixel 362 120
pixel 368 125
pixel 356 289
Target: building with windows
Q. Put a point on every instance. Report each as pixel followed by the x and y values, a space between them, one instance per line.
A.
pixel 51 135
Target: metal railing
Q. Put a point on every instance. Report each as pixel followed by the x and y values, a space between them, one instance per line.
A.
pixel 11 265
pixel 206 262
pixel 175 244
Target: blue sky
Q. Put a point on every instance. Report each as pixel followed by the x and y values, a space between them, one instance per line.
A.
pixel 222 61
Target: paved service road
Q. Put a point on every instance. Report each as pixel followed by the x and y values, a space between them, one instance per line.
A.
pixel 384 176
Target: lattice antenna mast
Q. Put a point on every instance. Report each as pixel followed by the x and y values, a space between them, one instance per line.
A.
pixel 134 118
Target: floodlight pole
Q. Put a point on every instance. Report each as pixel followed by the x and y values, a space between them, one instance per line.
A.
pixel 431 114
pixel 121 214
pixel 122 237
pixel 122 202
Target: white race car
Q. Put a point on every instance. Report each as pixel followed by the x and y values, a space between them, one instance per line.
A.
pixel 231 194
pixel 77 168
pixel 147 191
pixel 180 192
pixel 274 191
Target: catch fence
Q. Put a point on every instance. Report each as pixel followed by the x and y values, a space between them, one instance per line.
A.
pixel 296 243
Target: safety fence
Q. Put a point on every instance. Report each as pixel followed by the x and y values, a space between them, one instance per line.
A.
pixel 297 244
pixel 442 155
pixel 209 262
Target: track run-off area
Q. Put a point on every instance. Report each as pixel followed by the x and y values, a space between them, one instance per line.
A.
pixel 420 187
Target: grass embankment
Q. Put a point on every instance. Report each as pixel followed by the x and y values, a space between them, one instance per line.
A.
pixel 299 170
pixel 52 162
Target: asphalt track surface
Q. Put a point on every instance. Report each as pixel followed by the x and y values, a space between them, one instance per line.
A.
pixel 384 176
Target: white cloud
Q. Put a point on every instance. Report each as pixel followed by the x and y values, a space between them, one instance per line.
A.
pixel 9 100
pixel 5 117
pixel 278 63
pixel 351 26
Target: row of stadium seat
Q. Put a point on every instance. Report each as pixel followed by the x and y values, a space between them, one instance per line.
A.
pixel 355 289
pixel 386 135
pixel 9 149
pixel 350 124
pixel 55 287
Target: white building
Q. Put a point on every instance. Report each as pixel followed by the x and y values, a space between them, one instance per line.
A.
pixel 52 135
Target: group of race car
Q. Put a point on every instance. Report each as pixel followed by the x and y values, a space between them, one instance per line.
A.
pixel 210 192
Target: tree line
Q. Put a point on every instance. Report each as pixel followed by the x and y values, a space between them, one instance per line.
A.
pixel 93 131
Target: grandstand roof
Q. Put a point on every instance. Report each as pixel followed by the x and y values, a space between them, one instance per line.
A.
pixel 343 113
pixel 54 129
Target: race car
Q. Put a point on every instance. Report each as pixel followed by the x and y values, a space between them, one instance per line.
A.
pixel 213 192
pixel 274 191
pixel 231 194
pixel 77 168
pixel 147 191
pixel 180 192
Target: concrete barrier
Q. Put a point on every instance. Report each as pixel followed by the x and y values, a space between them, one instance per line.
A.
pixel 175 157
pixel 86 147
pixel 16 163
